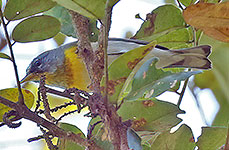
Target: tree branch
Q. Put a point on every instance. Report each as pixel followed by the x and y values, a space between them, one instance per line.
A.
pixel 98 66
pixel 20 96
pixel 84 49
pixel 26 113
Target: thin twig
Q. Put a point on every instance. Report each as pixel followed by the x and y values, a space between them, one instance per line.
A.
pixel 182 92
pixel 227 140
pixel 196 43
pixel 59 93
pixel 57 107
pixel 48 140
pixel 91 128
pixel 35 138
pixel 66 114
pixel 45 100
pixel 179 4
pixel 9 122
pixel 26 113
pixel 105 46
pixel 38 102
pixel 20 97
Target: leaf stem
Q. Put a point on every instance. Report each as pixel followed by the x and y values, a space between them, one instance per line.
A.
pixel 182 92
pixel 21 97
pixel 105 44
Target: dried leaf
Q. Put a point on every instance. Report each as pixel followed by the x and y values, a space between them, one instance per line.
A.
pixel 221 34
pixel 212 18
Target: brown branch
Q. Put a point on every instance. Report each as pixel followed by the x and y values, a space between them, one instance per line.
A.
pixel 48 140
pixel 26 113
pixel 84 49
pixel 42 91
pixel 56 92
pixel 95 65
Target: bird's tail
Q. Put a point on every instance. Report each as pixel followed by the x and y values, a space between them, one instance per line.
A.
pixel 196 57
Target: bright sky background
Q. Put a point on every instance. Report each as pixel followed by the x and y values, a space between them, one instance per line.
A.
pixel 123 19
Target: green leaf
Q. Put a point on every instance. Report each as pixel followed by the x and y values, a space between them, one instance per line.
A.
pixel 187 2
pixel 100 134
pixel 150 115
pixel 104 144
pixel 36 28
pixel 168 29
pixel 176 39
pixel 89 8
pixel 148 138
pixel 134 141
pixel 59 38
pixel 65 19
pixel 65 144
pixel 12 95
pixel 4 56
pixel 112 2
pixel 18 9
pixel 67 28
pixel 214 1
pixel 160 20
pixel 182 139
pixel 121 68
pixel 150 82
pixel 219 78
pixel 212 138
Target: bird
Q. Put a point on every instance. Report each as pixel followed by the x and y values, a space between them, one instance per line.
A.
pixel 64 68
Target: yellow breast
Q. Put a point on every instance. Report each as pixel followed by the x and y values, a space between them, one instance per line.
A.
pixel 73 74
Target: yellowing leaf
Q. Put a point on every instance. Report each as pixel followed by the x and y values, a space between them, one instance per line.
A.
pixel 213 19
pixel 12 95
pixel 4 56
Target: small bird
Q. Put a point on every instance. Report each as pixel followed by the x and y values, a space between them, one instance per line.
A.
pixel 64 68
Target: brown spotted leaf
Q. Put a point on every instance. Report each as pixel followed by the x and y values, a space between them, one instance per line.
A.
pixel 150 82
pixel 212 18
pixel 121 68
pixel 182 139
pixel 150 115
pixel 168 29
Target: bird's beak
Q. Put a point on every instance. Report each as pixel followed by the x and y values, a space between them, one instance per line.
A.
pixel 29 77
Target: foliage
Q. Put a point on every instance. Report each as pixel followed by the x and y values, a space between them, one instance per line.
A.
pixel 210 18
pixel 132 111
pixel 12 94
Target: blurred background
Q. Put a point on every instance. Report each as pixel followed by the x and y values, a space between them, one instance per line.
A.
pixel 199 103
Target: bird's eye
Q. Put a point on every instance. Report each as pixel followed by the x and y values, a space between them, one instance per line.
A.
pixel 37 63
